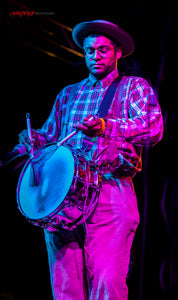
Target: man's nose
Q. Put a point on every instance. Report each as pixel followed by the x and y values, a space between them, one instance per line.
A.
pixel 96 54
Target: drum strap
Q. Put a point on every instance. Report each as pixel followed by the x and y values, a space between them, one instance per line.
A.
pixel 108 98
pixel 104 107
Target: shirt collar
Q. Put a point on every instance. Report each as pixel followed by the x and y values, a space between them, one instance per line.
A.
pixel 105 81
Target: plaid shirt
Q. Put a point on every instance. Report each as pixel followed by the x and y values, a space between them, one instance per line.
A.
pixel 137 121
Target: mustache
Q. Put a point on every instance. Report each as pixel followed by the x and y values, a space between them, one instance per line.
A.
pixel 97 64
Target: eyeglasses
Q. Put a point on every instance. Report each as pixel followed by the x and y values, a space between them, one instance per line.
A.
pixel 103 51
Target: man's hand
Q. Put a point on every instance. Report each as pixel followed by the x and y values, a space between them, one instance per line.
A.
pixel 25 140
pixel 92 126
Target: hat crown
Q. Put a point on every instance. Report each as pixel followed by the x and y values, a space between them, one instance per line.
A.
pixel 105 22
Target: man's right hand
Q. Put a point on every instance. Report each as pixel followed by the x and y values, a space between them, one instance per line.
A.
pixel 25 140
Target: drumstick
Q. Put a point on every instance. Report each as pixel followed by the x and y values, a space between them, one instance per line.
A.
pixel 29 131
pixel 72 134
pixel 67 137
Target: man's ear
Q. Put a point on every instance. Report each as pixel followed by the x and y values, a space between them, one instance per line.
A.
pixel 119 52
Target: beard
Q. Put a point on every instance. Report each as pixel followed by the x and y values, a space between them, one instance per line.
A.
pixel 99 69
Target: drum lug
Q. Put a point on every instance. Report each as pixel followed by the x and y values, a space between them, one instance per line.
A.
pixel 63 224
pixel 67 202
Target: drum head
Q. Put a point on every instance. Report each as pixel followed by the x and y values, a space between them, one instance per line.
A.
pixel 56 176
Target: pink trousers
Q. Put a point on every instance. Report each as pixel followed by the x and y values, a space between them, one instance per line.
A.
pixel 94 266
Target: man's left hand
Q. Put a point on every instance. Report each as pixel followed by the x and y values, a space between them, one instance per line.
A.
pixel 91 126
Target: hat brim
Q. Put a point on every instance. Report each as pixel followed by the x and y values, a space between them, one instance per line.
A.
pixel 110 30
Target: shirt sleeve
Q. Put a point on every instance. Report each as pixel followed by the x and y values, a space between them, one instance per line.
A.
pixel 139 123
pixel 51 130
pixel 52 127
pixel 143 123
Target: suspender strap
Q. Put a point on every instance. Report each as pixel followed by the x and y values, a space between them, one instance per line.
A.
pixel 106 103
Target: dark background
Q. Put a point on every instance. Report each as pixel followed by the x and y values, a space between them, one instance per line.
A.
pixel 34 70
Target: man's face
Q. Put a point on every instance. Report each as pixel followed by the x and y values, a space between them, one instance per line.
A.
pixel 100 56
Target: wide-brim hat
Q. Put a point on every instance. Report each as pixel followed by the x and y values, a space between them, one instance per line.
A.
pixel 108 29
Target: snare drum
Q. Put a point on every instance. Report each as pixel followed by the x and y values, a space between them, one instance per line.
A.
pixel 58 187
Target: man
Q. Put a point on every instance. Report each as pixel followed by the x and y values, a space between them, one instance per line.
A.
pixel 93 264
